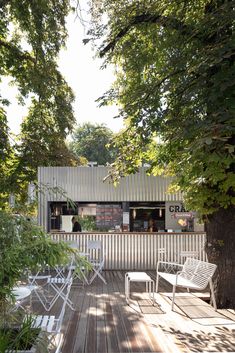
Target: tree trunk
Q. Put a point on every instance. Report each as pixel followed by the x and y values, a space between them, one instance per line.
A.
pixel 220 249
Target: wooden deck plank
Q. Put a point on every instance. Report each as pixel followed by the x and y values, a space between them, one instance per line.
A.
pixel 112 320
pixel 80 340
pixel 124 342
pixel 145 340
pixel 91 338
pixel 104 323
pixel 71 320
pixel 101 325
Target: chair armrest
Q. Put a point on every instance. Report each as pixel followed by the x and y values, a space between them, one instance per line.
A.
pixel 168 264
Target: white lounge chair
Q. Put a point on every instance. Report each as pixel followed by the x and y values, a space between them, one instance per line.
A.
pixel 194 274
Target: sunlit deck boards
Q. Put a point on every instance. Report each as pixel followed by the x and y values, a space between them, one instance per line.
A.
pixel 104 323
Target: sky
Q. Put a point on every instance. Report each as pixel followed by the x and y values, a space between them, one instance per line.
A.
pixel 83 74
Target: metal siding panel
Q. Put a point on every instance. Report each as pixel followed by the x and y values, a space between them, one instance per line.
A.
pixel 129 251
pixel 86 184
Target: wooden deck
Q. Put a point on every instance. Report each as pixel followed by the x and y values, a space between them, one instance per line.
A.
pixel 104 323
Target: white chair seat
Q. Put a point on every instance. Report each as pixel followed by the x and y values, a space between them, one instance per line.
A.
pixel 45 322
pixel 181 281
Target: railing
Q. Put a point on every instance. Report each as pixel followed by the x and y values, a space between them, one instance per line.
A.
pixel 139 251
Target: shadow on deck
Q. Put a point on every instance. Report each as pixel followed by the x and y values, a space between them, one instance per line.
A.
pixel 103 322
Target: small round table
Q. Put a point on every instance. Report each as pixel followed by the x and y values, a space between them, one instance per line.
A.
pixel 20 293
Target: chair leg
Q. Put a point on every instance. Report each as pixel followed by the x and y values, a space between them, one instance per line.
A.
pixel 213 295
pixel 58 347
pixel 97 273
pixel 157 282
pixel 126 288
pixel 173 298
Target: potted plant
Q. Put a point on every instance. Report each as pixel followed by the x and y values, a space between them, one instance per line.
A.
pixel 22 338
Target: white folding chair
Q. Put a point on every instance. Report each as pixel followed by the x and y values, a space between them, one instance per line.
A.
pixel 96 258
pixel 51 325
pixel 81 274
pixel 58 286
pixel 38 284
pixel 49 289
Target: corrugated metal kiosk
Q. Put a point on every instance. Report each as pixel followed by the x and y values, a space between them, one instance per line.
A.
pixel 139 203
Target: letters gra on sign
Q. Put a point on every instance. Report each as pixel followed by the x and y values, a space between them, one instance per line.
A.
pixel 177 208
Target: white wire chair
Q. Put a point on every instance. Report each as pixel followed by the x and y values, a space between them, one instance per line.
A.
pixel 52 325
pixel 96 257
pixel 49 289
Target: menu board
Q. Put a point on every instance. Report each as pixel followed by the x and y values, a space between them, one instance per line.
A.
pixel 126 218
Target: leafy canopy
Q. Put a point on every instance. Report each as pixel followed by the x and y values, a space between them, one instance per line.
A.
pixel 92 141
pixel 175 84
pixel 31 36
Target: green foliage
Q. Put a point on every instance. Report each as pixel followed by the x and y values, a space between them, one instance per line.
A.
pixel 24 246
pixel 31 37
pixel 21 336
pixel 92 142
pixel 87 223
pixel 175 83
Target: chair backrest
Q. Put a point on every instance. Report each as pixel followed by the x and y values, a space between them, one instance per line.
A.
pixel 162 254
pixel 94 244
pixel 74 246
pixel 199 272
pixel 96 250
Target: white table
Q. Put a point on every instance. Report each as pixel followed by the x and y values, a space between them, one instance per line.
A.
pixel 139 277
pixel 20 293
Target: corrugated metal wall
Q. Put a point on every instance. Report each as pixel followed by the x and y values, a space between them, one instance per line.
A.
pixel 139 251
pixel 85 184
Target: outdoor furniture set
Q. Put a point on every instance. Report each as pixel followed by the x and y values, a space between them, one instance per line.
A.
pixel 193 274
pixel 56 284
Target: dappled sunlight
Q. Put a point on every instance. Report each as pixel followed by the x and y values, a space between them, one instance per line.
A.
pixel 221 340
pixel 103 322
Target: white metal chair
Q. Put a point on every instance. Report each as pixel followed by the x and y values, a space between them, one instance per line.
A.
pixel 96 258
pixel 38 284
pixel 49 289
pixel 81 274
pixel 162 254
pixel 194 274
pixel 52 325
pixel 58 286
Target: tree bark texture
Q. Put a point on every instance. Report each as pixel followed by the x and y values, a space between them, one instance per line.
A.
pixel 220 248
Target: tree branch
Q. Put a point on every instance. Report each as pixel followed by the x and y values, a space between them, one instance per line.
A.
pixel 20 54
pixel 166 22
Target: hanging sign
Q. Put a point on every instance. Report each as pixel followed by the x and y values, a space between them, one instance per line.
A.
pixel 126 218
pixel 183 215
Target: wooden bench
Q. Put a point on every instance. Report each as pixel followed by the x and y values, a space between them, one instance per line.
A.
pixel 194 274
